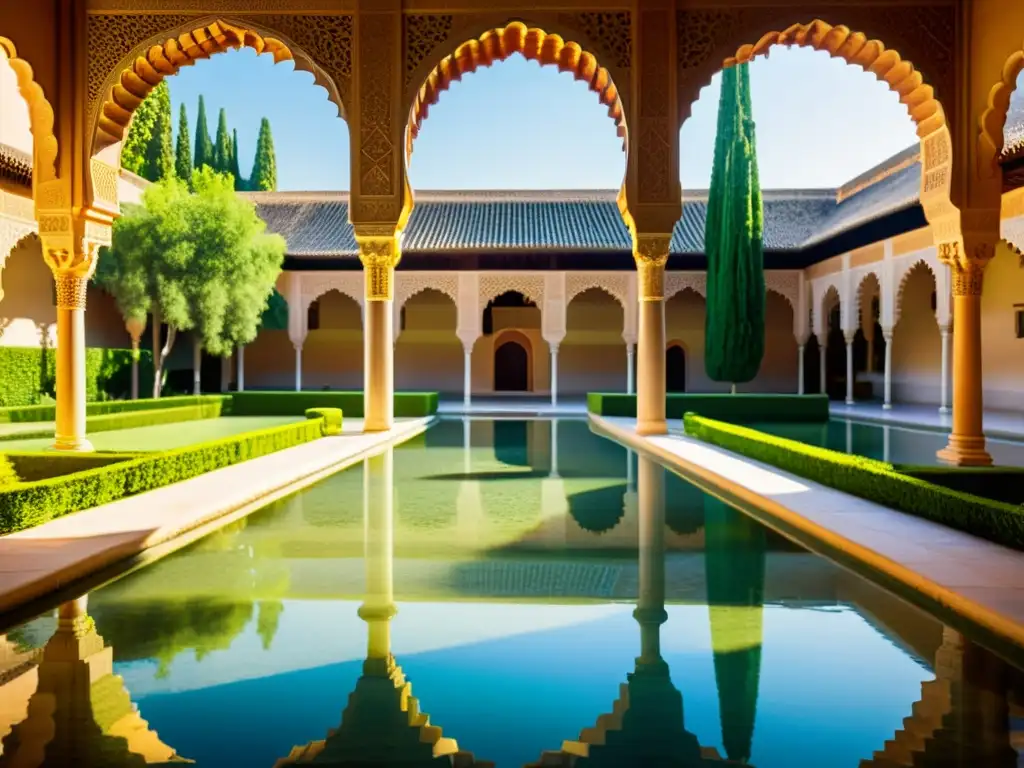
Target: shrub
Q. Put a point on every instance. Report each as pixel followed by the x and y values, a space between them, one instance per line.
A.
pixel 330 420
pixel 999 483
pixel 407 404
pixel 27 504
pixel 8 474
pixel 131 419
pixel 742 407
pixel 48 411
pixel 33 466
pixel 27 374
pixel 869 479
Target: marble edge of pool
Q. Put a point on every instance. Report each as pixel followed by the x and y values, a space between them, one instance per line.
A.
pixel 56 556
pixel 967 582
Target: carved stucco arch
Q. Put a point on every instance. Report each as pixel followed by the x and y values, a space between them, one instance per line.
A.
pixel 348 285
pixel 531 287
pixel 824 303
pixel 903 275
pixel 858 292
pixel 993 120
pixel 677 282
pixel 406 288
pixel 497 44
pixel 40 115
pixel 164 54
pixel 13 235
pixel 595 284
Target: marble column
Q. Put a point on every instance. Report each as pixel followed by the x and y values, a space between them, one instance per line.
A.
pixel 467 376
pixel 379 254
pixel 887 336
pixel 850 373
pixel 944 370
pixel 554 448
pixel 650 611
pixel 241 367
pixel 800 369
pixel 554 374
pixel 298 364
pixel 823 363
pixel 72 285
pixel 135 328
pixel 630 362
pixel 650 253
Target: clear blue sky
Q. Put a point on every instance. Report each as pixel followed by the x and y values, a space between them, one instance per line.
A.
pixel 518 125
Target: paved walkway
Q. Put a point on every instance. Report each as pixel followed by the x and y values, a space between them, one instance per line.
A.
pixel 39 560
pixel 948 572
pixel 999 424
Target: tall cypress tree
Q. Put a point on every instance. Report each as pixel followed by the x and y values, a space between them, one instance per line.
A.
pixel 159 162
pixel 222 150
pixel 204 144
pixel 183 150
pixel 734 323
pixel 234 169
pixel 264 168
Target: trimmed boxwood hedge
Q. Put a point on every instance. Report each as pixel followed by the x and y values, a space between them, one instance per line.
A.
pixel 29 373
pixel 330 419
pixel 211 409
pixel 33 466
pixel 999 483
pixel 738 408
pixel 869 479
pixel 26 504
pixel 48 412
pixel 256 403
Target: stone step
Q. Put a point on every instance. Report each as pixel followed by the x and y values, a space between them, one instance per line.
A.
pixel 578 748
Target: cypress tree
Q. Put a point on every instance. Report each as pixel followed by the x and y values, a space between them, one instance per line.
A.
pixel 183 150
pixel 222 151
pixel 734 322
pixel 204 144
pixel 264 168
pixel 159 162
pixel 140 134
pixel 234 169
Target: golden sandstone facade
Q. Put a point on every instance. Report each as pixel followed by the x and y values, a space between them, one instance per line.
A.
pixel 84 65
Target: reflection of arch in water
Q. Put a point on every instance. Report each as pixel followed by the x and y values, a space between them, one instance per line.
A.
pixel 675 367
pixel 513 362
pixel 598 510
pixel 512 442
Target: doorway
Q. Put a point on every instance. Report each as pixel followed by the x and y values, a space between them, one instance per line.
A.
pixel 511 368
pixel 675 369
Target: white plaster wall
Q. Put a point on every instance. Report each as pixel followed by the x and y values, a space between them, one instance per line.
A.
pixel 15 129
pixel 916 343
pixel 428 354
pixel 592 356
pixel 1002 353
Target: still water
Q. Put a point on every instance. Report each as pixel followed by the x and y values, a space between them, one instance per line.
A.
pixel 513 593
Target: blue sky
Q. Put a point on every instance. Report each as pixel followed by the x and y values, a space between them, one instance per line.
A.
pixel 518 125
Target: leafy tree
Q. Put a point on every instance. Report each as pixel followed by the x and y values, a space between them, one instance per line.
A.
pixel 204 145
pixel 734 327
pixel 160 150
pixel 234 170
pixel 222 150
pixel 264 169
pixel 140 133
pixel 183 150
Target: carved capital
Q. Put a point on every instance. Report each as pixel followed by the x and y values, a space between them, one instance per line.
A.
pixel 71 271
pixel 650 252
pixel 968 278
pixel 379 255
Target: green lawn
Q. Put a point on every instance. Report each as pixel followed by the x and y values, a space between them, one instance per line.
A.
pixel 163 436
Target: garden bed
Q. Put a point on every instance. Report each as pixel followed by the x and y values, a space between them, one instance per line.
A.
pixel 48 411
pixel 210 408
pixel 738 408
pixel 256 403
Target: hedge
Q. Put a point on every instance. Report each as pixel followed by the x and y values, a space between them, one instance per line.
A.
pixel 407 404
pixel 30 467
pixel 26 504
pixel 869 479
pixel 330 419
pixel 27 374
pixel 999 483
pixel 132 419
pixel 738 408
pixel 48 412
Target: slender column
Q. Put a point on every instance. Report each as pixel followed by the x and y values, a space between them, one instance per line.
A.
pixel 379 254
pixel 849 436
pixel 630 472
pixel 72 278
pixel 298 365
pixel 554 374
pixel 378 607
pixel 967 440
pixel 650 610
pixel 630 362
pixel 197 365
pixel 467 446
pixel 887 335
pixel 886 443
pixel 467 377
pixel 135 327
pixel 849 369
pixel 800 369
pixel 823 363
pixel 651 254
pixel 241 367
pixel 554 448
pixel 944 370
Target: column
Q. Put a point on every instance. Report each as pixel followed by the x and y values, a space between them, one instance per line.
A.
pixel 554 374
pixel 553 472
pixel 298 363
pixel 379 255
pixel 71 274
pixel 378 607
pixel 135 327
pixel 849 368
pixel 944 370
pixel 630 362
pixel 967 440
pixel 849 436
pixel 467 376
pixel 630 471
pixel 800 368
pixel 886 443
pixel 823 363
pixel 650 252
pixel 467 446
pixel 241 367
pixel 887 337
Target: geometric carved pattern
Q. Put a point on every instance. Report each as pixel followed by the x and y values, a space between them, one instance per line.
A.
pixel 497 45
pixel 615 285
pixel 375 100
pixel 494 285
pixel 786 283
pixel 903 275
pixel 610 31
pixel 409 284
pixel 654 166
pixel 315 285
pixel 676 282
pixel 423 33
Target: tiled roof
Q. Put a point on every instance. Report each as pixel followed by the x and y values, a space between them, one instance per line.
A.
pixel 15 166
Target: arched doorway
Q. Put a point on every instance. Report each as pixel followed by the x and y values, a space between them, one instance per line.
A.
pixel 675 369
pixel 511 367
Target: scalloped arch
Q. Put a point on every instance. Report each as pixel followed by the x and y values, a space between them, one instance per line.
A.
pixel 854 48
pixel 993 119
pixel 497 45
pixel 404 297
pixel 40 114
pixel 902 284
pixel 143 69
pixel 782 295
pixel 864 278
pixel 583 288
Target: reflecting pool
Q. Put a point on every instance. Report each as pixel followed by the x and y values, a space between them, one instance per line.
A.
pixel 546 596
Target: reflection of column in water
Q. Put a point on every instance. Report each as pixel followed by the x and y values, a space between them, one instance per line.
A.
pixel 886 443
pixel 467 446
pixel 378 608
pixel 650 610
pixel 554 506
pixel 554 448
pixel 630 473
pixel 469 511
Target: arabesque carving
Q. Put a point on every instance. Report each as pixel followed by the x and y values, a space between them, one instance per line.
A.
pixel 500 43
pixel 12 234
pixel 40 113
pixel 614 285
pixel 656 171
pixel 993 120
pixel 493 285
pixel 650 252
pixel 104 182
pixel 408 285
pixel 786 283
pixel 379 257
pixel 901 283
pixel 71 271
pixel 677 282
pixel 608 29
pixel 376 96
pixel 423 32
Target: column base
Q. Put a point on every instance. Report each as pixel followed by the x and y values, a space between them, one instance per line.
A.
pixel 79 444
pixel 965 452
pixel 376 426
pixel 886 406
pixel 655 427
pixel 850 401
pixel 944 409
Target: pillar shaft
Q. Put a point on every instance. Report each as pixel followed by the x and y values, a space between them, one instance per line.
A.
pixel 298 365
pixel 378 520
pixel 887 403
pixel 850 374
pixel 967 441
pixel 241 368
pixel 823 363
pixel 379 254
pixel 70 373
pixel 630 362
pixel 467 378
pixel 651 254
pixel 800 369
pixel 944 371
pixel 554 374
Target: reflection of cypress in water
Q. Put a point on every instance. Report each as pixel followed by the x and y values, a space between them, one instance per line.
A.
pixel 684 505
pixel 598 510
pixel 735 565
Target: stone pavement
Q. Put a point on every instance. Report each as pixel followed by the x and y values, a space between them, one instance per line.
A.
pixel 999 424
pixel 950 573
pixel 50 556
